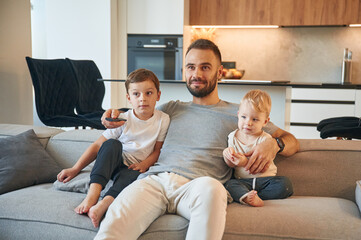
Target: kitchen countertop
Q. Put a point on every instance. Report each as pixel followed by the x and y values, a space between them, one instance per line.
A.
pixel 265 83
pixel 294 85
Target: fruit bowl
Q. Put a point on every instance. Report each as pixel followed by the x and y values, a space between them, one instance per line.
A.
pixel 232 73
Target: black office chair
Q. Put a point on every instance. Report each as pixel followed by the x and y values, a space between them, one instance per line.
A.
pixel 56 94
pixel 91 91
pixel 340 127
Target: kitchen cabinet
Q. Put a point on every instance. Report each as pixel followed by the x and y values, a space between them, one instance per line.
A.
pixel 315 12
pixel 311 105
pixel 229 12
pixel 274 12
pixel 155 16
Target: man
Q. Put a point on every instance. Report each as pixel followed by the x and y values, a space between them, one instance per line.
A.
pixel 187 179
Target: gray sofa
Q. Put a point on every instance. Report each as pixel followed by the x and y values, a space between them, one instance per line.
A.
pixel 323 172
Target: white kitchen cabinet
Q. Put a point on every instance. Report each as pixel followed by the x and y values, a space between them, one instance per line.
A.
pixel 358 103
pixel 155 16
pixel 311 105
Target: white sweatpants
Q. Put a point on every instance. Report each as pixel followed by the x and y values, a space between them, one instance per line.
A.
pixel 203 201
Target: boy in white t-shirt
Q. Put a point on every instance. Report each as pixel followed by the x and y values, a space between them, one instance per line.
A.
pixel 252 189
pixel 124 152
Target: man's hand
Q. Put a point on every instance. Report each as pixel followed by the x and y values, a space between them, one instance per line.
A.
pixel 261 157
pixel 111 113
pixel 263 154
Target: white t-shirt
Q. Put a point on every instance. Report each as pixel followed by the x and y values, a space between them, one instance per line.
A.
pixel 139 136
pixel 240 172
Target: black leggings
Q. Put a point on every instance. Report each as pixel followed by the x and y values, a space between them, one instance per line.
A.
pixel 109 165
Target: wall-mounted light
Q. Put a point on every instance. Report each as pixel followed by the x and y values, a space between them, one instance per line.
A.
pixel 354 25
pixel 236 26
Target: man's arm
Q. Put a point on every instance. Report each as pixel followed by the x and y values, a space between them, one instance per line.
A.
pixel 291 143
pixel 263 154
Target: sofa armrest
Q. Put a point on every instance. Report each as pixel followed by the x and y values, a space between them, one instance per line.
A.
pixel 323 167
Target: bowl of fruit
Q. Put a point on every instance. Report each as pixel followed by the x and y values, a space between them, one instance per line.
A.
pixel 232 73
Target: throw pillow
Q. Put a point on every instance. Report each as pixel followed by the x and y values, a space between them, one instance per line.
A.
pixel 358 194
pixel 80 184
pixel 24 162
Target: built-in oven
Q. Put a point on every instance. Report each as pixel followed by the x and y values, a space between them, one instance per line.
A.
pixel 162 54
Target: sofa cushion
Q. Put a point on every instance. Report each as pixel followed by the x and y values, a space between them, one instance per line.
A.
pixel 358 194
pixel 318 163
pixel 294 218
pixel 67 147
pixel 40 212
pixel 24 162
pixel 43 132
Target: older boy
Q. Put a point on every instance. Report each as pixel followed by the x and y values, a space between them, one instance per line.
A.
pixel 135 145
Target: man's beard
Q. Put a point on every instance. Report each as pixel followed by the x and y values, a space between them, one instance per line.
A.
pixel 199 93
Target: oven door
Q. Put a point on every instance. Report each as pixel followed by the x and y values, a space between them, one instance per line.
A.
pixel 164 62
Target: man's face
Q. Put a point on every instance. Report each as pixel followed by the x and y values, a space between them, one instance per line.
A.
pixel 203 70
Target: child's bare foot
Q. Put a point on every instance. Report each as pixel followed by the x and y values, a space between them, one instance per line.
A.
pixel 86 204
pixel 90 200
pixel 253 199
pixel 97 211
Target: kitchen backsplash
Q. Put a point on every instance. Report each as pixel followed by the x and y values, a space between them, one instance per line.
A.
pixel 300 54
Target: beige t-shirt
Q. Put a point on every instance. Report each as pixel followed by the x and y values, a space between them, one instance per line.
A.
pixel 240 172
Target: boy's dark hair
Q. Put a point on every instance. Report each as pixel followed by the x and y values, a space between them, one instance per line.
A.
pixel 141 75
pixel 205 44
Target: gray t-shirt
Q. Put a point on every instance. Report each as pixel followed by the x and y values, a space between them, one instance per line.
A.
pixel 196 138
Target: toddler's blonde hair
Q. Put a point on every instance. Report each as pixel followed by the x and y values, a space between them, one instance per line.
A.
pixel 260 100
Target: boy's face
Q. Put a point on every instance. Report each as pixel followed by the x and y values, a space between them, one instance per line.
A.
pixel 143 96
pixel 250 121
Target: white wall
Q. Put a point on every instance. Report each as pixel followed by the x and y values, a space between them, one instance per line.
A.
pixel 75 29
pixel 15 44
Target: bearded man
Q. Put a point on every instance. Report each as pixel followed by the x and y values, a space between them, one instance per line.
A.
pixel 189 175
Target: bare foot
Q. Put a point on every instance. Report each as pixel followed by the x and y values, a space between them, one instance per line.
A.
pixel 253 199
pixel 97 211
pixel 86 204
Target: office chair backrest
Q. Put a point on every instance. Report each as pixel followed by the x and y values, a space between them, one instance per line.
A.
pixel 54 85
pixel 91 91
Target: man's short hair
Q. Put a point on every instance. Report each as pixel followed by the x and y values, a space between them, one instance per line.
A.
pixel 141 75
pixel 205 44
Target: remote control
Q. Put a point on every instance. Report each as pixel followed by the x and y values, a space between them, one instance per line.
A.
pixel 115 119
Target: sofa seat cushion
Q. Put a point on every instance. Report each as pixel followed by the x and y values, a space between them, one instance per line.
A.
pixel 295 218
pixel 41 212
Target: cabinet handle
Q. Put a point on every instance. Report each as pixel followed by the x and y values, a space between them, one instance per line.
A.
pixel 154 46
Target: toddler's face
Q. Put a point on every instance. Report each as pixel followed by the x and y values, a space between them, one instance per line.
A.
pixel 250 121
pixel 143 96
